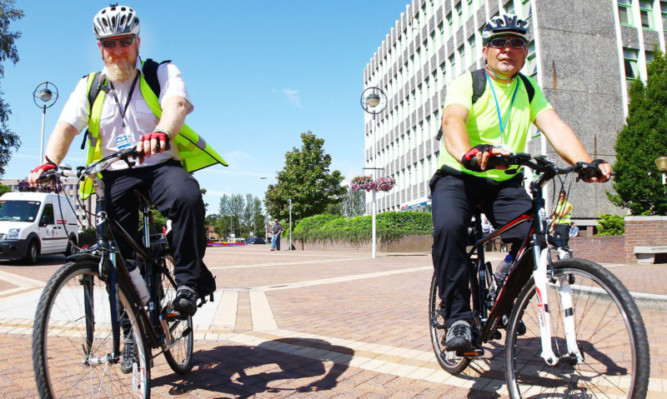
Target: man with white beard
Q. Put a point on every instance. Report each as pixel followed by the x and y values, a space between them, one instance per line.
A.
pixel 127 112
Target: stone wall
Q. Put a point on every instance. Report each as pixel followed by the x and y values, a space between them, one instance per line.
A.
pixel 644 231
pixel 640 231
pixel 599 249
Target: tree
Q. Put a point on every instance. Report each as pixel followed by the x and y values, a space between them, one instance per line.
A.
pixel 4 189
pixel 8 139
pixel 637 182
pixel 306 180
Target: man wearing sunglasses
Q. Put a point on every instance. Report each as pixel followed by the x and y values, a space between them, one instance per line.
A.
pixel 125 114
pixel 496 124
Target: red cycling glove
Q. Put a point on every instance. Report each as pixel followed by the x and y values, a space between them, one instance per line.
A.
pixel 160 136
pixel 469 160
pixel 48 165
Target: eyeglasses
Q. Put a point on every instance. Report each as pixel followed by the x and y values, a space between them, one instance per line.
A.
pixel 123 41
pixel 502 42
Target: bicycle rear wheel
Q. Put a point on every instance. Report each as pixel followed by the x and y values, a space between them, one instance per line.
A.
pixel 448 360
pixel 72 344
pixel 610 336
pixel 179 352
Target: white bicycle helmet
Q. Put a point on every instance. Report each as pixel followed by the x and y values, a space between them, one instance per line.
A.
pixel 116 20
pixel 505 24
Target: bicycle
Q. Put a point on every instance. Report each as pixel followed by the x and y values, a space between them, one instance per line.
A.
pixel 91 301
pixel 596 347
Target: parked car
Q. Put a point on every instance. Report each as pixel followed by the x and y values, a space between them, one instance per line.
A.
pixel 256 240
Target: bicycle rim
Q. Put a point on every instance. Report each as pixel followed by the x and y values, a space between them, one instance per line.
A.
pixel 179 354
pixel 72 339
pixel 448 360
pixel 610 335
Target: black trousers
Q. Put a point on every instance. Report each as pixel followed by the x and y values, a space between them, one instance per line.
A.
pixel 454 200
pixel 562 233
pixel 175 193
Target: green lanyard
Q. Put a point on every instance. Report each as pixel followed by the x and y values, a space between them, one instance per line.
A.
pixel 508 114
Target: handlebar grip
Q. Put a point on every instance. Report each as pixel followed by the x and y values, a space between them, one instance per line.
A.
pixel 47 175
pixel 587 170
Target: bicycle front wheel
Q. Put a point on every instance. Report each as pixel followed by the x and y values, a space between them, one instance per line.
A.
pixel 448 360
pixel 181 336
pixel 72 344
pixel 610 336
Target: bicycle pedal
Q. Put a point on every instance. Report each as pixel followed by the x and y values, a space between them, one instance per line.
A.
pixel 470 352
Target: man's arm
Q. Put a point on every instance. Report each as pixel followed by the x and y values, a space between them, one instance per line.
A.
pixel 174 111
pixel 56 149
pixel 565 142
pixel 454 132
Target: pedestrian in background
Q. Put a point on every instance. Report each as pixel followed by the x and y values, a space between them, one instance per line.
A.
pixel 275 239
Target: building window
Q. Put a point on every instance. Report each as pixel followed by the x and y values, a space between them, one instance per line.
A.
pixel 631 71
pixel 526 9
pixel 663 8
pixel 646 12
pixel 473 53
pixel 459 10
pixel 625 12
pixel 452 64
pixel 649 56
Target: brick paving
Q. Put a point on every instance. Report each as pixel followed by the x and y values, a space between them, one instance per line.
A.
pixel 345 326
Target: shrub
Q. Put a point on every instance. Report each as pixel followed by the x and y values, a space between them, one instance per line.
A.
pixel 611 225
pixel 390 226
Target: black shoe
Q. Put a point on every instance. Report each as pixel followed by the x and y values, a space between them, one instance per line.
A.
pixel 459 336
pixel 185 301
pixel 129 354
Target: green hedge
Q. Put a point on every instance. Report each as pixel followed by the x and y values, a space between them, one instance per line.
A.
pixel 390 226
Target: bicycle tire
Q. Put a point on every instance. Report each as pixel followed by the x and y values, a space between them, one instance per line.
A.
pixel 610 335
pixel 73 314
pixel 179 355
pixel 448 360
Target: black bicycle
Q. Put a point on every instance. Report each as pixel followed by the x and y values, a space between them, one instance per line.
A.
pixel 572 328
pixel 90 310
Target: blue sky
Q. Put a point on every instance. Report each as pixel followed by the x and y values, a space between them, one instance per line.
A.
pixel 259 74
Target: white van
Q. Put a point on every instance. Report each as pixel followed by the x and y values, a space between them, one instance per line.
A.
pixel 32 224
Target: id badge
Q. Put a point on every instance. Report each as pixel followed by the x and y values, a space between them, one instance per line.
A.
pixel 125 141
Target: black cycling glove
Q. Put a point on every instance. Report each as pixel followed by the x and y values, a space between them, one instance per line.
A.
pixel 469 160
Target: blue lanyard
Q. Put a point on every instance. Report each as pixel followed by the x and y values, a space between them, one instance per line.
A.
pixel 508 113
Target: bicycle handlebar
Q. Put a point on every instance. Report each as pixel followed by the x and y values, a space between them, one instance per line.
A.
pixel 95 167
pixel 544 165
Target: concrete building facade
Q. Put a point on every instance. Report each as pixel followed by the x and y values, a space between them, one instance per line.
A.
pixel 584 55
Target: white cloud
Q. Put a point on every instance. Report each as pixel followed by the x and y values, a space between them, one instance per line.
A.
pixel 292 96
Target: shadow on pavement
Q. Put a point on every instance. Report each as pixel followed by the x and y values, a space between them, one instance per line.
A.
pixel 245 371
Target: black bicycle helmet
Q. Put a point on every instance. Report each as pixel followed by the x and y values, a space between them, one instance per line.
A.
pixel 505 24
pixel 116 20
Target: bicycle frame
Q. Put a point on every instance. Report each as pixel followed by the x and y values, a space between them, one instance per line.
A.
pixel 112 269
pixel 533 258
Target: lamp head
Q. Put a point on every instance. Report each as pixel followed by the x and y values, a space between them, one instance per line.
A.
pixel 373 100
pixel 661 163
pixel 45 95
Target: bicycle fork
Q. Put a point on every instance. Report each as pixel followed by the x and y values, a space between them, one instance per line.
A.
pixel 540 276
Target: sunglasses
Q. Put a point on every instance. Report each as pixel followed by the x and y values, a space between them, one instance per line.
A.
pixel 502 42
pixel 123 41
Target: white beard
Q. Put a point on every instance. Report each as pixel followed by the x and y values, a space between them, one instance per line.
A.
pixel 120 71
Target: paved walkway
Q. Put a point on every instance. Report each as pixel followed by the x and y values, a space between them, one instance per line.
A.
pixel 318 324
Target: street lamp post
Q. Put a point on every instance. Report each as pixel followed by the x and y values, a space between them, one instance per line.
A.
pixel 48 96
pixel 373 101
pixel 289 201
pixel 661 163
